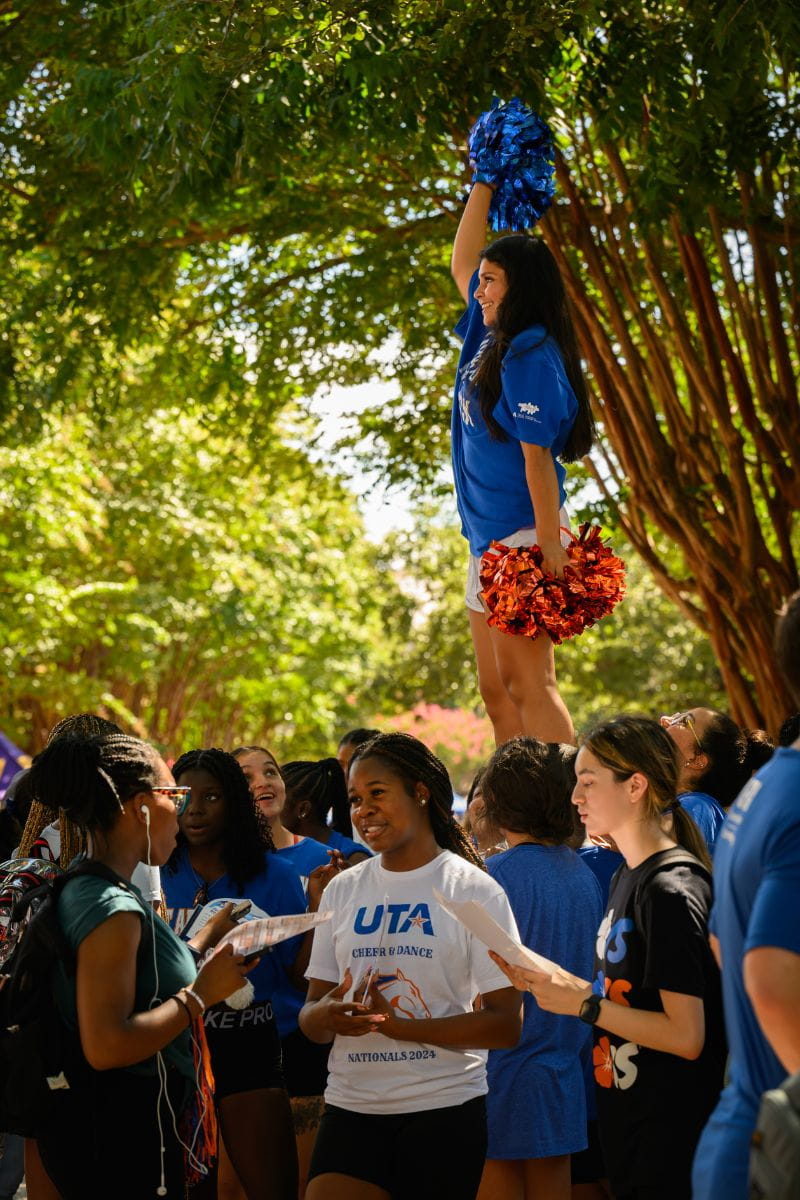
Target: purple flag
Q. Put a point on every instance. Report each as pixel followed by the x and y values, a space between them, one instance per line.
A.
pixel 12 759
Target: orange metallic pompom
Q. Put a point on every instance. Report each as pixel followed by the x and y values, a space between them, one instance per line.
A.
pixel 522 600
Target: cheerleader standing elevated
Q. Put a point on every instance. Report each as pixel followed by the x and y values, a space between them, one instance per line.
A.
pixel 520 405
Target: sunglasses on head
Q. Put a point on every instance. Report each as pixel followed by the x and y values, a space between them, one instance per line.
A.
pixel 178 795
pixel 684 720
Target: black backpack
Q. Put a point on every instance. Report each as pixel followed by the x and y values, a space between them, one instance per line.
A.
pixel 39 1055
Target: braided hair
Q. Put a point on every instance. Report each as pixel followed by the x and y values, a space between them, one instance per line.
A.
pixel 85 725
pixel 357 737
pixel 247 835
pixel 89 779
pixel 413 763
pixel 73 838
pixel 322 785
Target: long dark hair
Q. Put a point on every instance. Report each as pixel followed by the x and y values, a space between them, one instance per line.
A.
pixel 322 785
pixel 535 296
pixel 413 763
pixel 247 834
pixel 733 755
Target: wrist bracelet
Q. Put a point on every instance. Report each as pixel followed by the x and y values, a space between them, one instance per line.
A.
pixel 184 1006
pixel 197 999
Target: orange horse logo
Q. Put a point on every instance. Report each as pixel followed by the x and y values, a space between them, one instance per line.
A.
pixel 403 995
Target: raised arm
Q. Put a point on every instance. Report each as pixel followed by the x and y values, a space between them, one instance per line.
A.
pixel 470 237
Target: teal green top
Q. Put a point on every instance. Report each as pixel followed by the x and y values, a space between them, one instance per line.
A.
pixel 87 902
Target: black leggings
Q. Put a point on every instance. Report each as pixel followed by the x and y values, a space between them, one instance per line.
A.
pixel 102 1139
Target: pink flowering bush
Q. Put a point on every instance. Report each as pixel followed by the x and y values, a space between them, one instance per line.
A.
pixel 461 739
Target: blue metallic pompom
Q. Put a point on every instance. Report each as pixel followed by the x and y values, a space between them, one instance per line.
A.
pixel 512 148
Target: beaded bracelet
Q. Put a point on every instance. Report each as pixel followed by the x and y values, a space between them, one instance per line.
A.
pixel 197 999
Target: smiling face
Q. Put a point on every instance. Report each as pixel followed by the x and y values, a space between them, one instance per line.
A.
pixel 203 820
pixel 492 287
pixel 604 804
pixel 391 821
pixel 265 782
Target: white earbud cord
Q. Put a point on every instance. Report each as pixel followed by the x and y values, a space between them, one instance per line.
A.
pixel 161 1066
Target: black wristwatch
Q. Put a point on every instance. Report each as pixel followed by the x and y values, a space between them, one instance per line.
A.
pixel 590 1009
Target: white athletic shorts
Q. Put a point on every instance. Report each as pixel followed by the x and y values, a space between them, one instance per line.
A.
pixel 523 537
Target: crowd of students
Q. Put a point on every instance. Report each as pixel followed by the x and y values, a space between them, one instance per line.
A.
pixel 387 1053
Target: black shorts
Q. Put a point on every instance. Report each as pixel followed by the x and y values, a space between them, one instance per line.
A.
pixel 305 1065
pixel 588 1165
pixel 412 1156
pixel 245 1048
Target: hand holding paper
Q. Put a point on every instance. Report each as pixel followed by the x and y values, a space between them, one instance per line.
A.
pixel 252 937
pixel 494 937
pixel 555 989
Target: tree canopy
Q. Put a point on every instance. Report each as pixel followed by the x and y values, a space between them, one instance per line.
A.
pixel 152 573
pixel 221 208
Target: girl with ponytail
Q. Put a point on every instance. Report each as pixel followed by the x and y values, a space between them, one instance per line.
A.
pixel 314 790
pixel 654 1002
pixel 521 410
pixel 392 980
pixel 134 996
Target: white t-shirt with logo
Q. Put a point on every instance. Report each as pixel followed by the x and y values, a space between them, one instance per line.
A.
pixel 426 965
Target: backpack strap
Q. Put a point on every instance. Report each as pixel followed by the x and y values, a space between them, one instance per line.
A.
pixel 676 857
pixel 98 870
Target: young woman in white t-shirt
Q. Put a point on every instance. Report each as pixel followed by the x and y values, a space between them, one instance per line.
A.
pixel 392 982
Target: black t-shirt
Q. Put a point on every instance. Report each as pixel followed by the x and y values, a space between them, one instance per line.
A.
pixel 652 1105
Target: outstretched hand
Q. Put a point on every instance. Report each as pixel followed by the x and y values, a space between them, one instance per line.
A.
pixel 561 992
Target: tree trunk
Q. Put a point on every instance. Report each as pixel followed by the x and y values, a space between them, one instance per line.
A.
pixel 694 379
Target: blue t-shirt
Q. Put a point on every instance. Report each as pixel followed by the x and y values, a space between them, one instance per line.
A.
pixel 707 814
pixel 277 891
pixel 304 857
pixel 603 863
pixel 756 903
pixel 338 841
pixel 536 405
pixel 536 1106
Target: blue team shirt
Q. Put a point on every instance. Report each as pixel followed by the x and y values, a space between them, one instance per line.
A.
pixel 277 891
pixel 536 1106
pixel 707 814
pixel 756 903
pixel 304 857
pixel 537 405
pixel 348 846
